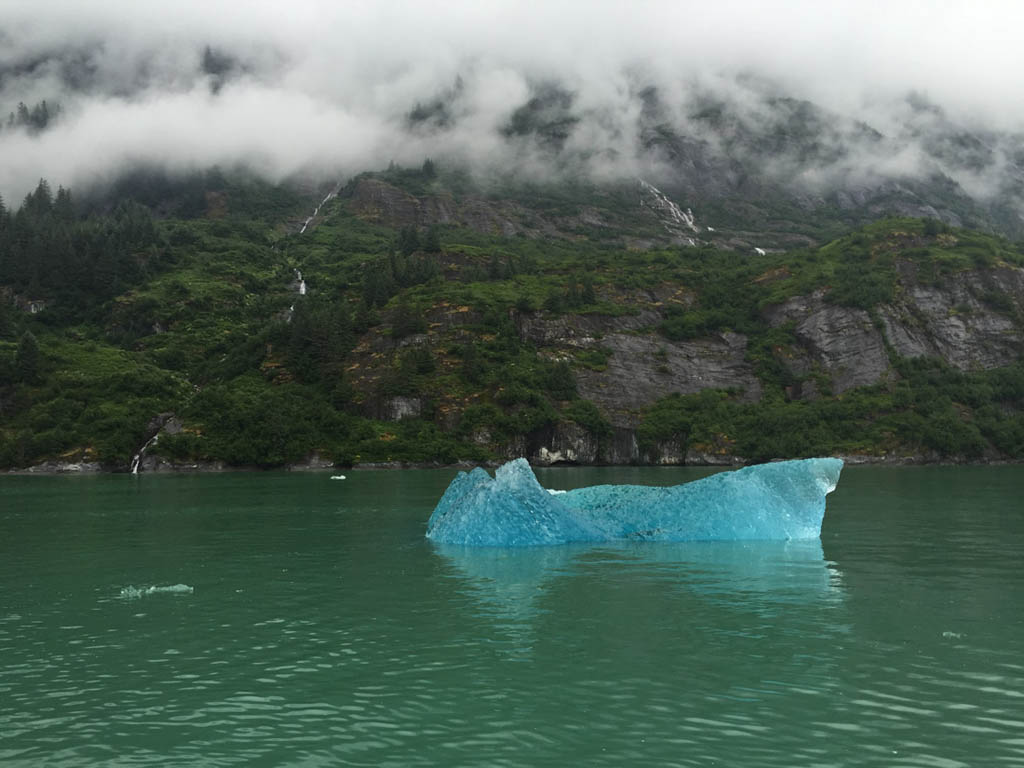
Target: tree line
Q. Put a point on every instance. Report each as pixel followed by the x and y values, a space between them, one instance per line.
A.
pixel 33 120
pixel 48 251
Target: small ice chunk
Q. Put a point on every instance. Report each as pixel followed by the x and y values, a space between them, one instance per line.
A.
pixel 132 592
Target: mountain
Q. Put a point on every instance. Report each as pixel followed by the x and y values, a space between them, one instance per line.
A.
pixel 752 159
pixel 758 164
pixel 789 172
pixel 424 315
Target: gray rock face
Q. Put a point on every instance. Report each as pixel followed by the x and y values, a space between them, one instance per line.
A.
pixel 166 423
pixel 400 407
pixel 704 459
pixel 155 463
pixel 841 341
pixel 378 201
pixel 642 366
pixel 311 463
pixel 951 322
pixel 382 202
pixel 668 453
pixel 55 467
pixel 849 347
pixel 580 330
pixel 622 447
pixel 568 443
pixel 644 369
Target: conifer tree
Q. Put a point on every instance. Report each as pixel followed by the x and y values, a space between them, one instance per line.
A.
pixel 432 241
pixel 39 117
pixel 587 294
pixel 26 359
pixel 40 202
pixel 408 240
pixel 404 320
pixel 6 317
pixel 63 208
pixel 364 317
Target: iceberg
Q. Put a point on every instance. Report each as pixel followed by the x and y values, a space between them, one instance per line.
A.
pixel 767 502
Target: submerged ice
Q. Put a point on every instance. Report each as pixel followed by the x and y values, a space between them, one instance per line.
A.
pixel 779 501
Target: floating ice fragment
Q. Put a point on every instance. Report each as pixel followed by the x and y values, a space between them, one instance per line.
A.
pixel 337 477
pixel 131 592
pixel 779 501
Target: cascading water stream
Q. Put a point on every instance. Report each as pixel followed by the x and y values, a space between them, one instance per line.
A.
pixel 672 216
pixel 142 451
pixel 309 220
pixel 301 288
pixel 305 225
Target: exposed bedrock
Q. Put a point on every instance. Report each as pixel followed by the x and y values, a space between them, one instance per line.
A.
pixel 841 341
pixel 966 320
pixel 641 366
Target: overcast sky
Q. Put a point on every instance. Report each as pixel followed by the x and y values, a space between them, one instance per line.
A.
pixel 325 87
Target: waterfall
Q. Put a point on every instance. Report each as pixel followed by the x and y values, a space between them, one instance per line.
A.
pixel 138 456
pixel 672 216
pixel 301 287
pixel 305 225
pixel 309 220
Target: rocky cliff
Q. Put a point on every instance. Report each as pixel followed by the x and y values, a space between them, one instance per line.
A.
pixel 969 321
pixel 640 365
pixel 625 365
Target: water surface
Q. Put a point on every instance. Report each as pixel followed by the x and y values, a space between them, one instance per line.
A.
pixel 314 625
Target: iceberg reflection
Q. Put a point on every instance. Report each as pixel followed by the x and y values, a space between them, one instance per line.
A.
pixel 507 581
pixel 513 584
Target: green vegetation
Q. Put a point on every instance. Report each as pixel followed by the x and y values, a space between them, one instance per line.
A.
pixel 419 343
pixel 933 410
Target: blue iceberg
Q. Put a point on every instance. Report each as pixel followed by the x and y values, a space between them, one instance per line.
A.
pixel 779 501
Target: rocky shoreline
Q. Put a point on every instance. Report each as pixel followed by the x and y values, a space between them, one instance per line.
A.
pixel 315 463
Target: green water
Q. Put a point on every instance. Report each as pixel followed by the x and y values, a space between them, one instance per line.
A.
pixel 320 628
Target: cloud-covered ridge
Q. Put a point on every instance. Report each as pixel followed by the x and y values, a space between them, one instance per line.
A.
pixel 608 89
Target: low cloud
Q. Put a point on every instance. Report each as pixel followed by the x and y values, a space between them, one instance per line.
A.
pixel 327 89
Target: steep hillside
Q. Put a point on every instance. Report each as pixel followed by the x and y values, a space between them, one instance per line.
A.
pixel 416 315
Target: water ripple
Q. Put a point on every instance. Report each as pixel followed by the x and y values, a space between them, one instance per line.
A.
pixel 326 639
